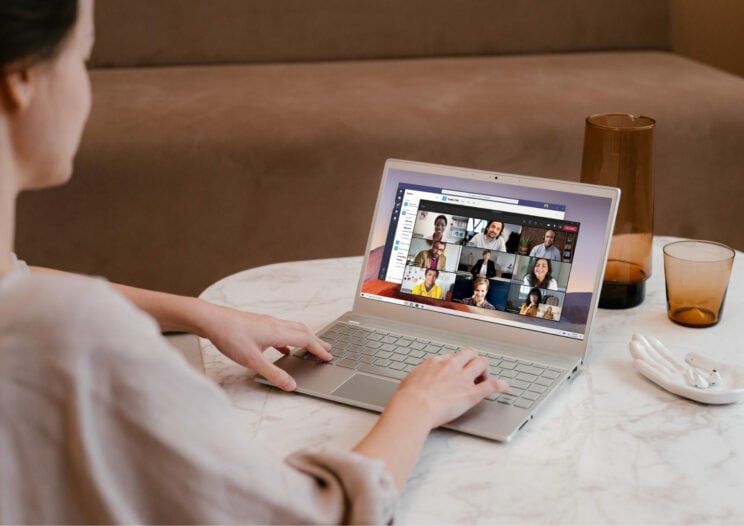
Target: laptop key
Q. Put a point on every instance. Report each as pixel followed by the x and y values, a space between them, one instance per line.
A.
pixel 508 374
pixel 519 384
pixel 417 345
pixel 529 395
pixel 551 374
pixel 382 371
pixel 382 362
pixel 397 357
pixel 398 366
pixel 507 364
pixel 523 404
pixel 547 382
pixel 383 354
pixel 527 377
pixel 529 369
pixel 515 391
pixel 411 360
pixel 506 399
pixel 348 363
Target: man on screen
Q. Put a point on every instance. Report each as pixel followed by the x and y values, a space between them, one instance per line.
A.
pixel 433 258
pixel 429 287
pixel 546 249
pixel 490 238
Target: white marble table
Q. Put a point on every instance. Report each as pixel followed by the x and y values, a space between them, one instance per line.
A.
pixel 612 448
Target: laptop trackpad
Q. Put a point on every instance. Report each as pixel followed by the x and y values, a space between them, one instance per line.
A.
pixel 367 389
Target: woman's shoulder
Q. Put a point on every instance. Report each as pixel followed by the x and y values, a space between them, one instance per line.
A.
pixel 67 307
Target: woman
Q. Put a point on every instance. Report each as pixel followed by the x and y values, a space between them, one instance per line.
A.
pixel 101 421
pixel 480 288
pixel 440 226
pixel 532 304
pixel 540 275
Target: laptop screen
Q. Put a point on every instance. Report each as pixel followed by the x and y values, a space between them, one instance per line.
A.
pixel 514 255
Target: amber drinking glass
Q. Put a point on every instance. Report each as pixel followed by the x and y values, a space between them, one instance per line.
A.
pixel 619 151
pixel 696 274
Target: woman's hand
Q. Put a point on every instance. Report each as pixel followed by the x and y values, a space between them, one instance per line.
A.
pixel 243 337
pixel 444 387
pixel 436 392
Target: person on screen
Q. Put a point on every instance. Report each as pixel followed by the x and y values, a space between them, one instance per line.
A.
pixel 540 275
pixel 532 304
pixel 102 421
pixel 432 258
pixel 546 249
pixel 491 238
pixel 480 289
pixel 548 314
pixel 484 267
pixel 429 288
pixel 440 227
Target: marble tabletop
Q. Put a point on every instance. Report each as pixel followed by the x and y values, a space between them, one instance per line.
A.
pixel 611 448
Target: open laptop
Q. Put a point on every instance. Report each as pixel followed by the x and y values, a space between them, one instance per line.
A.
pixel 425 289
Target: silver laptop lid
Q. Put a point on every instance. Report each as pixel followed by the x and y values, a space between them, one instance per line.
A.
pixel 419 205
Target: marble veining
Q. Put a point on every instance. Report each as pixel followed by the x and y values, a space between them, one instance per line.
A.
pixel 611 448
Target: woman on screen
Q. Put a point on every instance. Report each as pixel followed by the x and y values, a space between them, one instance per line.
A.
pixel 480 289
pixel 532 304
pixel 540 275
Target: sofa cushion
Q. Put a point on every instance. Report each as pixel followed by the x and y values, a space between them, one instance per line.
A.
pixel 187 174
pixel 181 32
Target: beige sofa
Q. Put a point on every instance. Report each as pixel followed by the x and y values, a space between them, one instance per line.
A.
pixel 227 134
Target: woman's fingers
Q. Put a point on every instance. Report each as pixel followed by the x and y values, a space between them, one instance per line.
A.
pixel 271 372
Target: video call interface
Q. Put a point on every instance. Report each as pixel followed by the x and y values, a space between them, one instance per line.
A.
pixel 482 256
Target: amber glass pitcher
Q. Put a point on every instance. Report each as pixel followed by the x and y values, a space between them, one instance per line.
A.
pixel 619 151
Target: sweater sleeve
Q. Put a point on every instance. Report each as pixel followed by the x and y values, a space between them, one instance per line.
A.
pixel 117 427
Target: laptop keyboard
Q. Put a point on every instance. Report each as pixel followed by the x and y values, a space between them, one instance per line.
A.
pixel 394 356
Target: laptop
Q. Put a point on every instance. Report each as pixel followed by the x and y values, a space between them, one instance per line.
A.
pixel 510 265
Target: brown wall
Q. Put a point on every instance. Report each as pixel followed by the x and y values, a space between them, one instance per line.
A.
pixel 710 31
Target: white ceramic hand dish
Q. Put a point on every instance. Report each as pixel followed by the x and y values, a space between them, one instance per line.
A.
pixel 697 377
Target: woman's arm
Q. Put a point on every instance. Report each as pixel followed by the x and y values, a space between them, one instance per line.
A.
pixel 241 336
pixel 436 392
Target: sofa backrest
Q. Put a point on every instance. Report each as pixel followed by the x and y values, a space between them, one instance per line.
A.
pixel 192 32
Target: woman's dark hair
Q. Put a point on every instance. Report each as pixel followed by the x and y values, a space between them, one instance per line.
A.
pixel 534 292
pixel 442 217
pixel 532 278
pixel 33 30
